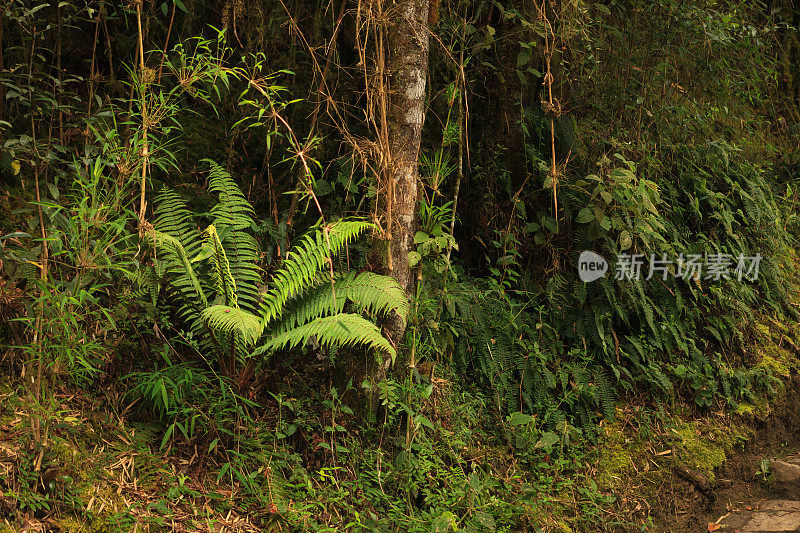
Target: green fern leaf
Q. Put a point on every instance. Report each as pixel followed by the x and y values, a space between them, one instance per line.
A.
pixel 305 260
pixel 378 294
pixel 343 329
pixel 175 219
pixel 221 272
pixel 225 320
pixel 176 255
pixel 233 209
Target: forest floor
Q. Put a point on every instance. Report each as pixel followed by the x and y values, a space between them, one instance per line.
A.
pixel 749 504
pixel 103 472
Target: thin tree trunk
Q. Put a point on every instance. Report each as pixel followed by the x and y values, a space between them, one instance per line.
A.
pixel 399 135
pixel 407 63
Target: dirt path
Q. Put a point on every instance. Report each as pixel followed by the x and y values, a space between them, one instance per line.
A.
pixel 752 506
pixel 768 516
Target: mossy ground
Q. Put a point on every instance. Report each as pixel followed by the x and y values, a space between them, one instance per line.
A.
pixel 97 475
pixel 108 475
pixel 638 451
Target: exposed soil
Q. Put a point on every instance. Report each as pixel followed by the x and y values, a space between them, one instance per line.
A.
pixel 743 493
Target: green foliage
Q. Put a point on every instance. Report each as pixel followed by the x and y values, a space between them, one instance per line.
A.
pixel 508 376
pixel 233 218
pixel 342 329
pixel 70 323
pixel 306 259
pixel 191 402
pixel 217 290
pixel 622 206
pixel 433 240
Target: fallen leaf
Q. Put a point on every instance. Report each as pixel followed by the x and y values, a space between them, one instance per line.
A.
pixel 714 527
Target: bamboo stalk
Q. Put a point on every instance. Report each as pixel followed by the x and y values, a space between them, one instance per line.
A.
pixel 551 108
pixel 36 392
pixel 60 74
pixel 462 94
pixel 91 66
pixel 145 119
pixel 2 67
pixel 166 43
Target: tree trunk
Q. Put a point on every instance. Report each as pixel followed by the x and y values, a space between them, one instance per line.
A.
pixel 400 131
pixel 407 45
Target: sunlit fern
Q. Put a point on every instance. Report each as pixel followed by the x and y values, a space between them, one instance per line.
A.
pixel 213 277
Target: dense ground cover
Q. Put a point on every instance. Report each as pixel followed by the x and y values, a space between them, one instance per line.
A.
pixel 202 324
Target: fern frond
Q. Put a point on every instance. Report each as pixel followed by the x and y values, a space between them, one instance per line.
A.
pixel 233 209
pixel 316 302
pixel 305 260
pixel 234 216
pixel 175 219
pixel 224 282
pixel 178 263
pixel 378 294
pixel 605 393
pixel 242 251
pixel 343 329
pixel 224 321
pixel 367 291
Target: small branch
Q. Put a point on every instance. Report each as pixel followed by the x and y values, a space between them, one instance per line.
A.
pixel 700 481
pixel 166 43
pixel 462 94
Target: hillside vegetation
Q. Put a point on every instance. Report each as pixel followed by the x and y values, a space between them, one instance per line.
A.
pixel 324 266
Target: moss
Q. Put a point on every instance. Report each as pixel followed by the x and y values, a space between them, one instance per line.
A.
pixel 617 453
pixel 777 360
pixel 105 513
pixel 63 452
pixel 704 447
pixel 70 524
pixel 637 465
pixel 93 522
pixel 763 331
pixel 560 526
pixel 548 516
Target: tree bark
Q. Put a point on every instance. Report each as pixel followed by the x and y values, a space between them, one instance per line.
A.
pixel 407 44
pixel 404 44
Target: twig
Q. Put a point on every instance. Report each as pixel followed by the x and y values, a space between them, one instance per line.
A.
pixel 145 119
pixel 166 42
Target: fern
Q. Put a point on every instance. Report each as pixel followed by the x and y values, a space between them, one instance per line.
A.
pixel 225 321
pixel 216 284
pixel 232 210
pixel 365 291
pixel 377 294
pixel 234 218
pixel 305 260
pixel 222 276
pixel 606 396
pixel 179 263
pixel 175 219
pixel 343 329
